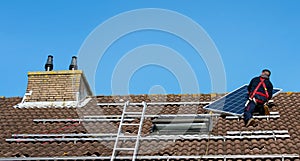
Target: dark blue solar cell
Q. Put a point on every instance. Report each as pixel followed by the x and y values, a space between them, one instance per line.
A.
pixel 234 102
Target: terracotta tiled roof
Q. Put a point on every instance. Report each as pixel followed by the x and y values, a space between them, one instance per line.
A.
pixel 24 121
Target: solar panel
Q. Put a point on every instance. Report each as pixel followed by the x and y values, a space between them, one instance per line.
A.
pixel 234 102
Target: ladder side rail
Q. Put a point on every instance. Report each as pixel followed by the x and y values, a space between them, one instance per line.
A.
pixel 139 131
pixel 119 132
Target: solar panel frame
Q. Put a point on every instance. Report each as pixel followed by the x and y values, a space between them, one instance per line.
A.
pixel 220 103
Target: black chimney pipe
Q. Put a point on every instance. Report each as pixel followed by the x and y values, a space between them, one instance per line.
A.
pixel 73 65
pixel 49 63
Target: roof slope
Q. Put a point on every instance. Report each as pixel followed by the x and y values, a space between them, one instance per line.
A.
pixel 24 121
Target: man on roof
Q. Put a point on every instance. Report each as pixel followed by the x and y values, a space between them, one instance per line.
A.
pixel 260 92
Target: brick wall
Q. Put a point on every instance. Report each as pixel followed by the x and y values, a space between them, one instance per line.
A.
pixel 51 86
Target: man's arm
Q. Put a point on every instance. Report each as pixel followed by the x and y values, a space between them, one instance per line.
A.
pixel 250 85
pixel 270 90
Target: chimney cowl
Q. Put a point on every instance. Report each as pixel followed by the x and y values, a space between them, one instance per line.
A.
pixel 49 63
pixel 73 65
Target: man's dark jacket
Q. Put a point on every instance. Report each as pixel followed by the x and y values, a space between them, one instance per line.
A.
pixel 254 83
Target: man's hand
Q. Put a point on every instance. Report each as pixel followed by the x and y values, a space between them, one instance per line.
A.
pixel 270 103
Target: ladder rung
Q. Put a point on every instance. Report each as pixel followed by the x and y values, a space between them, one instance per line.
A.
pixel 128 124
pixel 128 136
pixel 125 149
pixel 133 113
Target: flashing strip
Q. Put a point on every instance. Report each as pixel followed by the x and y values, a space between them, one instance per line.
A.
pixel 55 104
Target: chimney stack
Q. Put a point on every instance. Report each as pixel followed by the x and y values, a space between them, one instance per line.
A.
pixel 49 63
pixel 73 65
pixel 65 88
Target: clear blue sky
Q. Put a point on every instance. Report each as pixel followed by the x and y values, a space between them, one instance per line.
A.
pixel 250 36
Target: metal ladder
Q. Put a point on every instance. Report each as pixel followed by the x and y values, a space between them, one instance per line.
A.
pixel 121 135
